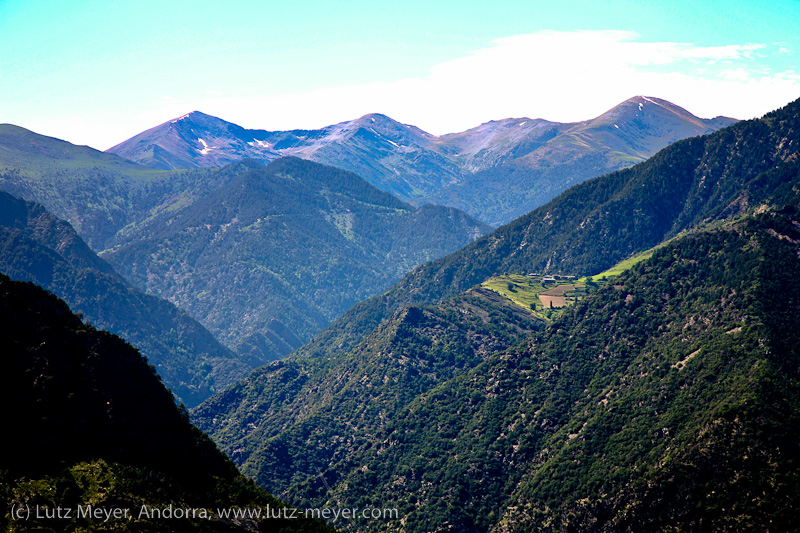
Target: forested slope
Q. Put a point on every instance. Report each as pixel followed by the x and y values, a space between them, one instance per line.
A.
pixel 38 247
pixel 669 400
pixel 272 257
pixel 288 421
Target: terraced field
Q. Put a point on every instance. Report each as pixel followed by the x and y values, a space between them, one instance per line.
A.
pixel 534 294
pixel 562 295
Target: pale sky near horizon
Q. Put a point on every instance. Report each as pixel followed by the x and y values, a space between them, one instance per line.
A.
pixel 97 72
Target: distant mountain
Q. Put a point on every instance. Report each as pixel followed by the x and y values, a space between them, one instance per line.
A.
pixel 277 253
pixel 36 246
pixel 496 171
pixel 517 173
pixel 93 426
pixel 97 193
pixel 394 157
pixel 397 158
pixel 493 143
pixel 196 137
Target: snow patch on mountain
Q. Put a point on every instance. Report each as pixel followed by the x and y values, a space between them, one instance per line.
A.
pixel 260 144
pixel 205 149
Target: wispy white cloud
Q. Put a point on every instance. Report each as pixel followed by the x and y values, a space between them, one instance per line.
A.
pixel 562 76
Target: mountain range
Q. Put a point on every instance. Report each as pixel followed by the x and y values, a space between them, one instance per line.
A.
pixel 496 171
pixel 665 400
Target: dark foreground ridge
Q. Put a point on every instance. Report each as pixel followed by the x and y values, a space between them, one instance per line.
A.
pixel 92 425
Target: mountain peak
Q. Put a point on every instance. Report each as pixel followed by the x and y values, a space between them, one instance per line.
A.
pixel 375 117
pixel 383 122
pixel 180 142
pixel 192 115
pixel 198 118
pixel 640 98
pixel 642 103
pixel 641 125
pixel 639 103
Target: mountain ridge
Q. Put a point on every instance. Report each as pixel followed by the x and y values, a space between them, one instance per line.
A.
pixel 275 254
pixel 93 426
pixel 571 153
pixel 447 169
pixel 600 222
pixel 37 247
pixel 98 193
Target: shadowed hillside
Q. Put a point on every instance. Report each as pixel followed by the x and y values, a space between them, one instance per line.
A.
pixel 36 246
pixel 93 425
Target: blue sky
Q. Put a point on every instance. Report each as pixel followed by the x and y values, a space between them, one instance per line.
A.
pixel 97 72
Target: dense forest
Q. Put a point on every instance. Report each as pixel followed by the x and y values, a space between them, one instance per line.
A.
pixel 331 406
pixel 674 388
